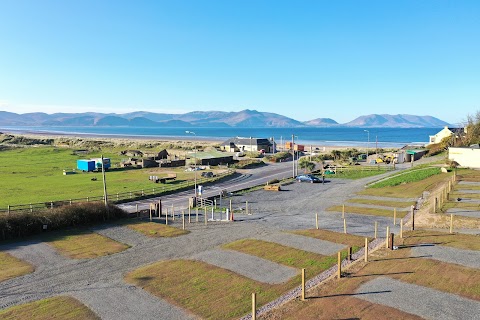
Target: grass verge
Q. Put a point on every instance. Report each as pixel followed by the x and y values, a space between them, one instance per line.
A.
pixel 350 240
pixel 61 307
pixel 411 176
pixel 156 230
pixel 84 245
pixel 454 240
pixel 11 267
pixel 393 204
pixel 368 211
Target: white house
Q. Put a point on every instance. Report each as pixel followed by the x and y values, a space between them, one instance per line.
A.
pixel 468 157
pixel 444 133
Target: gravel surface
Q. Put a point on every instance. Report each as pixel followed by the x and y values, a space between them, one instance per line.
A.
pixel 303 243
pixel 272 213
pixel 467 258
pixel 464 212
pixel 385 198
pixel 424 302
pixel 468 183
pixel 374 206
pixel 466 191
pixel 247 265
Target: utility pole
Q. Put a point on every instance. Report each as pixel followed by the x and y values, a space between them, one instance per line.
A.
pixel 293 154
pixel 105 196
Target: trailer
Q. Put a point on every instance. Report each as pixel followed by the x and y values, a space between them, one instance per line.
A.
pixel 86 165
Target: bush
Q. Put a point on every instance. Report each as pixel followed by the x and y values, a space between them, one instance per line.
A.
pixel 21 224
pixel 278 157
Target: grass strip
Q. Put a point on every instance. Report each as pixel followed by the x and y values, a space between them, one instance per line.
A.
pixel 350 240
pixel 61 307
pixel 459 194
pixel 11 267
pixel 385 203
pixel 461 205
pixel 156 230
pixel 411 189
pixel 356 173
pixel 315 263
pixel 412 176
pixel 368 211
pixel 85 245
pixel 467 187
pixel 206 290
pixel 454 240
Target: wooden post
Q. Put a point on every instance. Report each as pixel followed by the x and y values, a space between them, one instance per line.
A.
pixel 413 218
pixel 388 234
pixel 51 204
pixel 376 228
pixel 316 221
pixel 189 215
pixel 183 219
pixel 150 212
pixel 401 228
pixel 196 214
pixel 343 211
pixel 246 207
pixel 231 208
pixel 8 209
pixel 435 205
pixel 344 225
pixel 366 249
pixel 205 216
pixel 159 208
pixel 451 223
pixel 254 306
pixel 173 213
pixel 166 217
pixel 394 216
pixel 349 254
pixel 339 265
pixel 449 186
pixel 117 196
pixel 70 201
pixel 303 284
pixel 31 208
pixel 136 209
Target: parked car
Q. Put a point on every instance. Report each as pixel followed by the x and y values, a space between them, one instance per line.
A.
pixel 307 178
pixel 207 174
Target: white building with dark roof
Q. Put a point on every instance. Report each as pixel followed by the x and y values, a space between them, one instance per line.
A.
pixel 240 144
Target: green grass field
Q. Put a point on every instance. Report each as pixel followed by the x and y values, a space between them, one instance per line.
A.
pixel 35 174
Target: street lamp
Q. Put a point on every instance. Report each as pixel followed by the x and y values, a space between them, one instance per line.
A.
pixel 295 171
pixel 195 164
pixel 368 141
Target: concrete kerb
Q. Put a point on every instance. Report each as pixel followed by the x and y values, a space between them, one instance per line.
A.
pixel 318 280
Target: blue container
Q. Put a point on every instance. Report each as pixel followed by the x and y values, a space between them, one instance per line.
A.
pixel 86 165
pixel 98 163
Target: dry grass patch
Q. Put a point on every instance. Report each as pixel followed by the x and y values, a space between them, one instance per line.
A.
pixel 350 240
pixel 393 204
pixel 11 267
pixel 468 175
pixel 85 245
pixel 408 190
pixel 64 308
pixel 455 240
pixel 206 290
pixel 314 263
pixel 156 230
pixel 459 194
pixel 336 299
pixel 467 187
pixel 368 211
pixel 460 205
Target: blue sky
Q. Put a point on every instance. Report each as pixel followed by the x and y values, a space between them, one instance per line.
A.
pixel 303 59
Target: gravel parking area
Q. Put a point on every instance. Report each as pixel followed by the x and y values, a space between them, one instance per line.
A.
pixel 99 282
pixel 247 265
pixel 424 302
pixel 467 258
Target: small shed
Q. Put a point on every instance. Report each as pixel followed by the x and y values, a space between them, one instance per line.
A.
pixel 414 155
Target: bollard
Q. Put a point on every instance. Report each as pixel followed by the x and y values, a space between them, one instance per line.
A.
pixel 316 221
pixel 343 211
pixel 150 213
pixel 376 228
pixel 349 255
pixel 254 306
pixel 303 284
pixel 51 204
pixel 366 249
pixel 173 213
pixel 451 223
pixel 8 209
pixel 392 235
pixel 31 208
pixel 166 217
pixel 183 219
pixel 401 228
pixel 339 265
pixel 344 225
pixel 189 215
pixel 394 216
pixel 196 213
pixel 388 233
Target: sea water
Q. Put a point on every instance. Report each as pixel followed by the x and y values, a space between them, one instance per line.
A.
pixel 318 136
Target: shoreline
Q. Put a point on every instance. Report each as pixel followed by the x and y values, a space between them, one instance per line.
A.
pixel 320 146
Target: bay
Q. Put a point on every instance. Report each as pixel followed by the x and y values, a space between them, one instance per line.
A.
pixel 319 136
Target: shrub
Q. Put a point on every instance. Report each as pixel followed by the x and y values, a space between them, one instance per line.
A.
pixel 278 157
pixel 21 224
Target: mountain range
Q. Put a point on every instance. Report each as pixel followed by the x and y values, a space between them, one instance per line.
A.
pixel 244 118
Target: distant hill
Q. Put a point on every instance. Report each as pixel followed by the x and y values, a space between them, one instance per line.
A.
pixel 244 118
pixel 321 122
pixel 397 121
